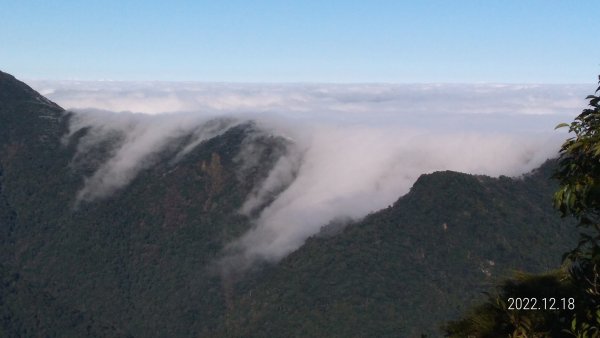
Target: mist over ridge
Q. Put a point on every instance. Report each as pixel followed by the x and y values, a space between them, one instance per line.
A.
pixel 353 149
pixel 297 169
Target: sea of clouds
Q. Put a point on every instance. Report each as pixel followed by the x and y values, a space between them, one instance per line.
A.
pixel 355 148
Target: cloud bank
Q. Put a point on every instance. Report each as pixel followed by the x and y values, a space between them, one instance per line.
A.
pixel 314 100
pixel 353 149
pixel 347 172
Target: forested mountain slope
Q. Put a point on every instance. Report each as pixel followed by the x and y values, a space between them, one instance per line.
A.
pixel 405 269
pixel 139 259
pixel 142 262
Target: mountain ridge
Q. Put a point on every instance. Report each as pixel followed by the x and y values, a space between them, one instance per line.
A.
pixel 141 258
pixel 447 273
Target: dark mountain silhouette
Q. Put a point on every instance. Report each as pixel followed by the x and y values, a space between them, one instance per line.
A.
pixel 142 261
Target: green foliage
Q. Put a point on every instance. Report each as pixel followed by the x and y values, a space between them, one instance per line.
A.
pixel 27 311
pixel 578 195
pixel 494 318
pixel 579 169
pixel 400 272
pixel 143 260
pixel 139 260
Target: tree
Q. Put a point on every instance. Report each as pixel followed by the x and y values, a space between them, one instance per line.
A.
pixel 579 173
pixel 579 196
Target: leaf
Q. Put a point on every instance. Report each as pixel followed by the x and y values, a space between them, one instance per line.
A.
pixel 561 125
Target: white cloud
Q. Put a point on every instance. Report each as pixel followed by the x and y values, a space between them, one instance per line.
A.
pixel 351 171
pixel 311 99
pixel 353 149
pixel 140 138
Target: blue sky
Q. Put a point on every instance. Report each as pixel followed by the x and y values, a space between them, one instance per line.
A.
pixel 302 41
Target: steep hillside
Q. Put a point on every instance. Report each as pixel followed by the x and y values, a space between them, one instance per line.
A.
pixel 141 262
pixel 138 260
pixel 406 269
pixel 26 311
